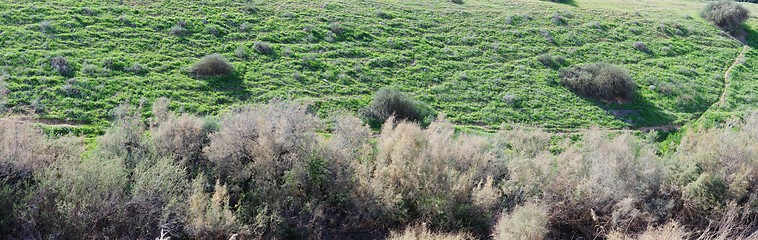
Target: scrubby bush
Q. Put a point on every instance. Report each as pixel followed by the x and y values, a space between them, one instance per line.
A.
pixel 727 15
pixel 545 34
pixel 719 166
pixel 421 232
pixel 178 31
pixel 240 52
pixel 613 183
pixel 136 69
pixel 552 61
pixel 640 46
pixel 182 138
pixel 212 66
pixel 46 25
pixel 599 80
pixel 428 175
pixel 210 217
pixel 263 48
pixel 389 102
pixel 61 65
pixel 527 222
pixel 557 19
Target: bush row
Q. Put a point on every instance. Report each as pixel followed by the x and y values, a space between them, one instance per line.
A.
pixel 270 171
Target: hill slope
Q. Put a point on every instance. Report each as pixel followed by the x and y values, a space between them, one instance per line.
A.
pixel 477 62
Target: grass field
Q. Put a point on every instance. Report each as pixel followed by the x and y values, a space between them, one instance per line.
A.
pixel 477 62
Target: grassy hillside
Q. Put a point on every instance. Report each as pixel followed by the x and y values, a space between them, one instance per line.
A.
pixel 477 62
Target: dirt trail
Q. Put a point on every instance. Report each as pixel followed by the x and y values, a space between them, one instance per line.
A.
pixel 728 74
pixel 43 121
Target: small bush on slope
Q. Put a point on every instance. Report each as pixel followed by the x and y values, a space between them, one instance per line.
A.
pixel 727 15
pixel 213 65
pixel 599 80
pixel 389 102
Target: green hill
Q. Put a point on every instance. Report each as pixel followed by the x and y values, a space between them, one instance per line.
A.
pixel 477 62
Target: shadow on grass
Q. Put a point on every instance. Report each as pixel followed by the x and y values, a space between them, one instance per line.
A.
pixel 231 85
pixel 640 112
pixel 751 37
pixel 566 2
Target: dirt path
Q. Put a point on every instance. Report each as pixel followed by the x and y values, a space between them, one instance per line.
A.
pixel 43 121
pixel 728 74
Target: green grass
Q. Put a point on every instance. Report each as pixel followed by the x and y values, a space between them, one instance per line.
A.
pixel 462 59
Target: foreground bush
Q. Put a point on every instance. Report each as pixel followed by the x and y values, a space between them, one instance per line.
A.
pixel 268 171
pixel 727 15
pixel 213 65
pixel 599 80
pixel 525 222
pixel 388 102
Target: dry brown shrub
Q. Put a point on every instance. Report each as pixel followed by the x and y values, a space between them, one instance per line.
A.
pixel 210 217
pixel 182 138
pixel 527 222
pixel 421 232
pixel 426 174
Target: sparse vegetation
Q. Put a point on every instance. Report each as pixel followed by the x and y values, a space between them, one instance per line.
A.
pixel 599 80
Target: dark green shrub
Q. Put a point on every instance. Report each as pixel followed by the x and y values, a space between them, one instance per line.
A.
pixel 388 102
pixel 727 15
pixel 212 66
pixel 599 80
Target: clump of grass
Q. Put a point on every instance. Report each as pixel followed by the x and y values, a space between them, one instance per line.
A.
pixel 389 102
pixel 263 48
pixel 240 52
pixel 727 15
pixel 136 69
pixel 552 61
pixel 212 66
pixel 61 65
pixel 599 80
pixel 46 25
pixel 640 46
pixel 557 19
pixel 178 31
pixel 547 36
